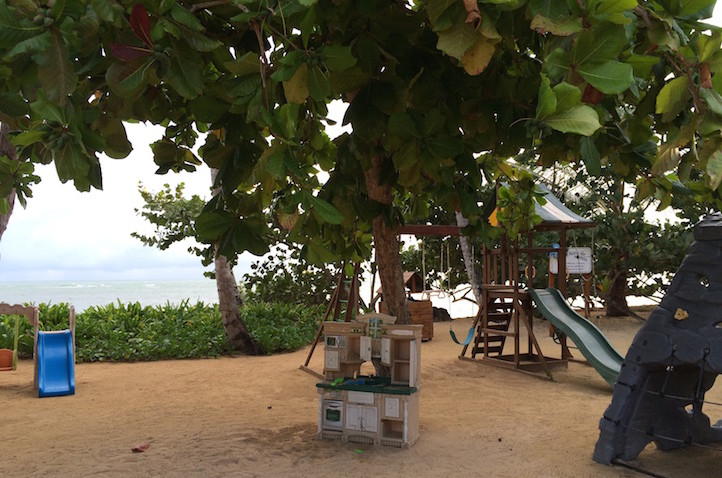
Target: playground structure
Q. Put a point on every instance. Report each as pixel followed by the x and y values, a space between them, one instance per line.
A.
pixel 508 299
pixel 673 361
pixel 53 353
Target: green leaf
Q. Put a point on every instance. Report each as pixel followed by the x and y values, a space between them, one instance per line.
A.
pixel 611 77
pixel 296 88
pixel 211 225
pixel 714 170
pixel 580 119
pixel 713 99
pixel 547 103
pixel 567 96
pixel 326 211
pixel 338 58
pixel 200 42
pixel 185 18
pixel 319 255
pixel 668 152
pixel 116 141
pixel 708 46
pixel 30 46
pixel 12 104
pixel 445 146
pixel 564 26
pixel 245 65
pixel 609 7
pixel 48 111
pixel 590 156
pixel 457 40
pixel 207 109
pixel 275 164
pixel 434 8
pixel 401 125
pixel 556 64
pixel 691 7
pixel 56 72
pixel 597 44
pixel 318 85
pixel 477 58
pixel 642 64
pixel 672 94
pixel 26 138
pixel 128 80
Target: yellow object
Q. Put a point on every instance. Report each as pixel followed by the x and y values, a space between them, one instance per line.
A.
pixel 681 314
pixel 492 218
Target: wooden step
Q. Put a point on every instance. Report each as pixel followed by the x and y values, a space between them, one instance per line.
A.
pixel 494 349
pixel 497 332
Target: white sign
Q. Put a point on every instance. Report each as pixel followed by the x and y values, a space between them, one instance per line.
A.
pixel 579 261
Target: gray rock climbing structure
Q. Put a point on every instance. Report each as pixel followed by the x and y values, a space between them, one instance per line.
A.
pixel 672 362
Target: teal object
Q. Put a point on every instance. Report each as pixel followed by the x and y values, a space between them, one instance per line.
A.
pixel 468 338
pixel 589 339
pixel 56 367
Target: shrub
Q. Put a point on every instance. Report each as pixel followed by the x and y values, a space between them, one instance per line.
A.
pixel 280 326
pixel 130 332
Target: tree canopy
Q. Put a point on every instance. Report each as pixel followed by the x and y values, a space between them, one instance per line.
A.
pixel 441 94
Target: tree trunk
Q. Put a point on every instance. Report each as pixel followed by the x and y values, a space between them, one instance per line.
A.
pixel 6 149
pixel 229 301
pixel 616 297
pixel 461 221
pixel 386 247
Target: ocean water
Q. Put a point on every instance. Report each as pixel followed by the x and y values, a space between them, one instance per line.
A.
pixel 83 294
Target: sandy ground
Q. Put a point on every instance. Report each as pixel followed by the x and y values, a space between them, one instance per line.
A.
pixel 257 416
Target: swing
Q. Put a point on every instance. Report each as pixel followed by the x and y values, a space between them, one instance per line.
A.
pixel 468 338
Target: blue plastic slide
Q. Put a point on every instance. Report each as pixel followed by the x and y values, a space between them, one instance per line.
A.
pixel 56 368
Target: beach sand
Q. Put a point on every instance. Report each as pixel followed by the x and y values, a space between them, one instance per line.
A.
pixel 257 416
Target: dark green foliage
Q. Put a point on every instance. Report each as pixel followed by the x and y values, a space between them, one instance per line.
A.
pixel 284 276
pixel 281 326
pixel 131 332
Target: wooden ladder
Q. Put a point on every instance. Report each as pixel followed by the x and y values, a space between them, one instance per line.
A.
pixel 493 329
pixel 344 301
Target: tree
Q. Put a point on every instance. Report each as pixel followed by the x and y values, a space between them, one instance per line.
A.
pixel 174 217
pixel 17 178
pixel 633 255
pixel 283 276
pixel 441 93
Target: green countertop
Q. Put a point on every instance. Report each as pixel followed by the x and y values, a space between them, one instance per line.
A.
pixel 369 384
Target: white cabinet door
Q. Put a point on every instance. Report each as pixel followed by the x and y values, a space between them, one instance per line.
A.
pixel 365 352
pixel 331 361
pixel 362 418
pixel 386 351
pixel 413 363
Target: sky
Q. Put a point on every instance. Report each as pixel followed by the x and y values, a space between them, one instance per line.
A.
pixel 67 235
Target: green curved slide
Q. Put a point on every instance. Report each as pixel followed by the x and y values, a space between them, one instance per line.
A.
pixel 588 338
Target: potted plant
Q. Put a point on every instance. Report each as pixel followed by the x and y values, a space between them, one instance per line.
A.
pixel 9 344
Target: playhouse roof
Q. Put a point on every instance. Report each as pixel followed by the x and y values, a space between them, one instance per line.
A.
pixel 555 214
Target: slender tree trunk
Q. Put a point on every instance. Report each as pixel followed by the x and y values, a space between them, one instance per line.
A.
pixel 6 149
pixel 616 298
pixel 461 221
pixel 387 247
pixel 229 302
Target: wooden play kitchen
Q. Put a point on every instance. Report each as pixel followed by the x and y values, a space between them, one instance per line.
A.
pixel 370 409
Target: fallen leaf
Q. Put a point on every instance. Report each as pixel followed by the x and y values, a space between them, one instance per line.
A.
pixel 140 448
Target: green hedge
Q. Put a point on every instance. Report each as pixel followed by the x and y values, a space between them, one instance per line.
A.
pixel 131 332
